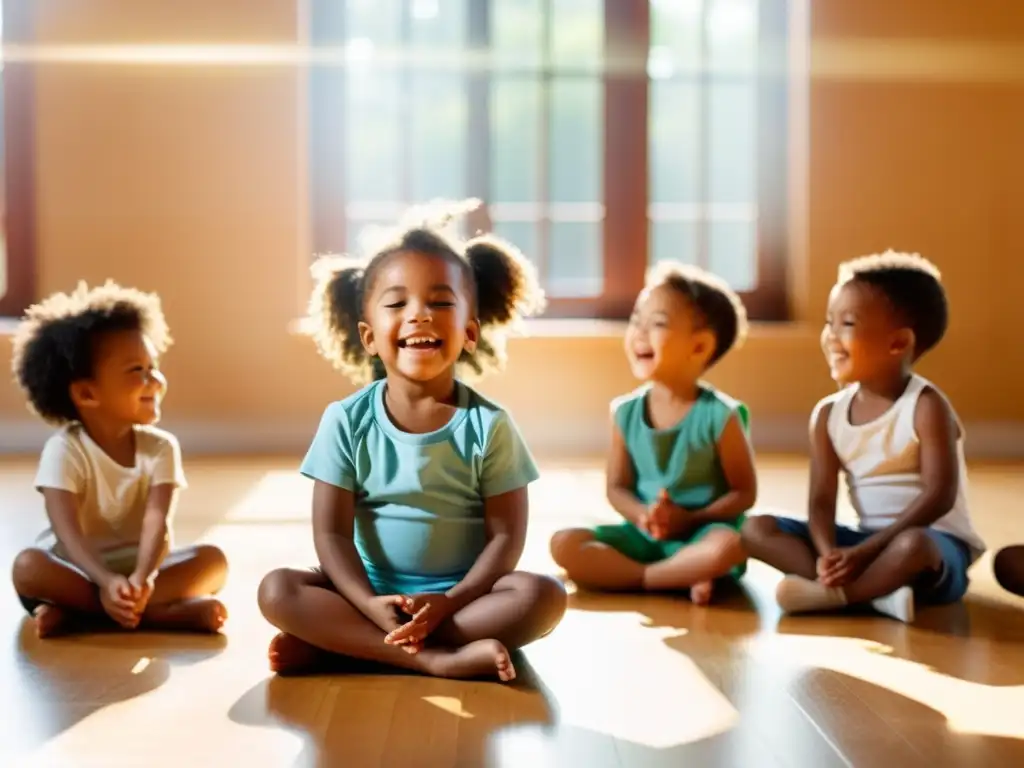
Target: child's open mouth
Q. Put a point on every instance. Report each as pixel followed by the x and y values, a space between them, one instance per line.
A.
pixel 420 343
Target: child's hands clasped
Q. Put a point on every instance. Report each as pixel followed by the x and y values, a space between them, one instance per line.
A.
pixel 426 612
pixel 117 599
pixel 666 520
pixel 383 610
pixel 142 590
pixel 841 566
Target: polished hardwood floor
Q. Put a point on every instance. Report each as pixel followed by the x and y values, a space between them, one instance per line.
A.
pixel 624 681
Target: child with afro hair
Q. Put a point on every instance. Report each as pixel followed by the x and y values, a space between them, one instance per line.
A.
pixel 899 443
pixel 681 468
pixel 420 498
pixel 88 363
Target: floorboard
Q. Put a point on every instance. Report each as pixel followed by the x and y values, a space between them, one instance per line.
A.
pixel 624 681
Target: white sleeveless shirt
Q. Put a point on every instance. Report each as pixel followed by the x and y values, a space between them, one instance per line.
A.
pixel 882 464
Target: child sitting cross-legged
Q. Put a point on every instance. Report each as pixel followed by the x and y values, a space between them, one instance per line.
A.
pixel 899 443
pixel 89 363
pixel 681 469
pixel 420 499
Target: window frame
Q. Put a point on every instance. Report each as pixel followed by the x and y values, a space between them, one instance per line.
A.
pixel 19 163
pixel 625 240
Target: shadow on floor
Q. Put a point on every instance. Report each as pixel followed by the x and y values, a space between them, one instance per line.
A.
pixel 827 690
pixel 813 718
pixel 978 640
pixel 58 682
pixel 733 612
pixel 367 715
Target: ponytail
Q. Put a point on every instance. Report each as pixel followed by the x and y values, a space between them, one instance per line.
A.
pixel 335 310
pixel 506 282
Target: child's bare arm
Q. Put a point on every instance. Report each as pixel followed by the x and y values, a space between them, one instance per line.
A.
pixel 737 461
pixel 153 540
pixel 937 433
pixel 62 509
pixel 334 513
pixel 620 479
pixel 505 517
pixel 824 483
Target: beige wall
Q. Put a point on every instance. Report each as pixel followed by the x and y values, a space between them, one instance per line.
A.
pixel 190 181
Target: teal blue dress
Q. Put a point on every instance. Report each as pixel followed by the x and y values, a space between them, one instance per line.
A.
pixel 681 459
pixel 419 518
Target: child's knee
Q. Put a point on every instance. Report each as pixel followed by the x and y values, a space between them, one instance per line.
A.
pixel 549 594
pixel 734 551
pixel 758 528
pixel 728 547
pixel 545 595
pixel 211 559
pixel 914 546
pixel 276 591
pixel 26 570
pixel 566 544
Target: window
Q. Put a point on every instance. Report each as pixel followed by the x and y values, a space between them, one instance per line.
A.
pixel 601 135
pixel 17 222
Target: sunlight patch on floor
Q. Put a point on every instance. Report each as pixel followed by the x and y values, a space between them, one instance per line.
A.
pixel 278 496
pixel 124 732
pixel 968 707
pixel 449 704
pixel 662 699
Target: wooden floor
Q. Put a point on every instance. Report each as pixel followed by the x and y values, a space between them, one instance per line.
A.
pixel 622 682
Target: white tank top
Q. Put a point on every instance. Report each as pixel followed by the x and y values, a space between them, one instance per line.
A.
pixel 881 462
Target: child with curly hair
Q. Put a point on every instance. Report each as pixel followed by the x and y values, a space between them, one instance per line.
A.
pixel 681 468
pixel 898 442
pixel 88 363
pixel 420 499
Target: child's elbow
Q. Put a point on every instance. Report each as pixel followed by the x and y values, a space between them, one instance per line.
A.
pixel 747 498
pixel 613 491
pixel 943 499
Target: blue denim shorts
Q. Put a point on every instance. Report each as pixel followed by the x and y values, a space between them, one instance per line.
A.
pixel 948 586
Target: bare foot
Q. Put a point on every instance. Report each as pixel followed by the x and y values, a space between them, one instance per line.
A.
pixel 210 614
pixel 289 655
pixel 481 658
pixel 49 619
pixel 198 614
pixel 700 593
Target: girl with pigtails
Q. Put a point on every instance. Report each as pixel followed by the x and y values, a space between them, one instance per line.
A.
pixel 420 497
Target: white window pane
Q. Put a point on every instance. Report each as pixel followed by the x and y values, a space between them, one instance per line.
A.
pixel 577 33
pixel 523 235
pixel 576 134
pixel 373 151
pixel 438 23
pixel 675 38
pixel 515 140
pixel 377 21
pixel 575 263
pixel 732 36
pixel 733 143
pixel 732 252
pixel 674 148
pixel 673 241
pixel 439 124
pixel 517 32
